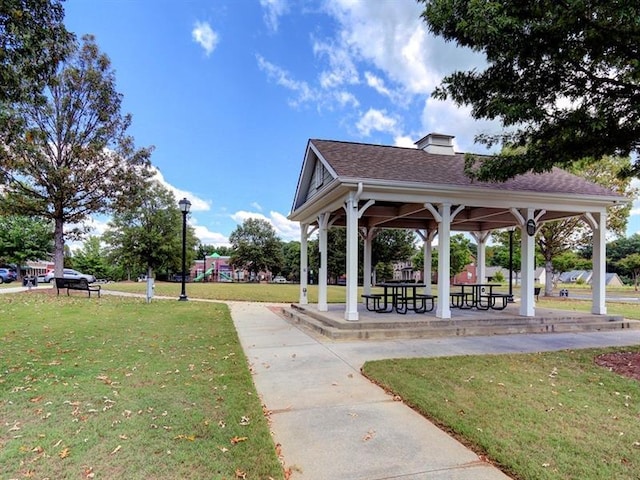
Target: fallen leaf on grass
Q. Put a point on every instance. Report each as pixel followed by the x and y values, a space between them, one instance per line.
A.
pixel 191 438
pixel 116 450
pixel 235 440
pixel 244 421
pixel 223 449
pixel 64 453
pixel 240 473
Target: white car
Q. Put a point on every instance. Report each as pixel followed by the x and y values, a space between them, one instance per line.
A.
pixel 70 273
pixel 279 279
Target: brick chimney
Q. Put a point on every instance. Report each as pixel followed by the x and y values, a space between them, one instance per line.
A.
pixel 436 143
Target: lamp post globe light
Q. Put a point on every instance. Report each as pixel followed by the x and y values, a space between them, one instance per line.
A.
pixel 184 205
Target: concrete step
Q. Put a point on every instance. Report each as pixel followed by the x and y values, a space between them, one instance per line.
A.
pixel 431 328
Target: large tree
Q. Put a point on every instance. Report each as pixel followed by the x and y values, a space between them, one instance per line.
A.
pixel 24 238
pixel 33 40
pixel 256 247
pixel 562 76
pixel 148 235
pixel 555 238
pixel 76 158
pixel 392 245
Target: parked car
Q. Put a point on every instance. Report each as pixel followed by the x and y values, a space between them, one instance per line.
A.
pixel 279 279
pixel 70 273
pixel 7 275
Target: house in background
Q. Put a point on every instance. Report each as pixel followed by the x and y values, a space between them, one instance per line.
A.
pixel 586 276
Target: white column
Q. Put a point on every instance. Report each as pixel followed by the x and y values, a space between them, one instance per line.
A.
pixel 323 222
pixel 598 281
pixel 304 264
pixel 444 261
pixel 427 250
pixel 351 207
pixel 527 262
pixel 481 260
pixel 368 235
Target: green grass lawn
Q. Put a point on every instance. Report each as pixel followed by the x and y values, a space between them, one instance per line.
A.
pixel 252 292
pixel 117 388
pixel 539 416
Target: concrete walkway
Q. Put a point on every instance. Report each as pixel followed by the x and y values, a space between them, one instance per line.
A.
pixel 333 423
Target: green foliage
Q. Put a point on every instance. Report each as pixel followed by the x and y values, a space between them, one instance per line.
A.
pixel 393 245
pixel 256 247
pixel 76 158
pixel 500 251
pixel 384 271
pixel 149 233
pixel 563 76
pixel 631 265
pixel 499 276
pixel 92 258
pixel 33 40
pixel 24 238
pixel 461 255
pixel 336 253
pixel 291 261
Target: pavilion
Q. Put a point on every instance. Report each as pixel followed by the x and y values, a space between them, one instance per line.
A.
pixel 366 188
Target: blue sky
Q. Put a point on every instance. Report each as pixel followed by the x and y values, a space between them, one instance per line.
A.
pixel 229 92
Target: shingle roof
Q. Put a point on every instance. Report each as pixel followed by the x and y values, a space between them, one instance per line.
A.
pixel 366 161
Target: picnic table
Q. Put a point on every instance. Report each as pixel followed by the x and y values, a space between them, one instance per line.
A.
pixel 400 297
pixel 478 295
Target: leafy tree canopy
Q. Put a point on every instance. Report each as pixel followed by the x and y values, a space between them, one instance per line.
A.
pixel 256 246
pixel 76 158
pixel 149 233
pixel 562 76
pixel 33 40
pixel 24 238
pixel 393 245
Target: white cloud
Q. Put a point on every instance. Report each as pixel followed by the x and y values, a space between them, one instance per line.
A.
pixel 404 141
pixel 256 205
pixel 204 35
pixel 377 120
pixel 341 69
pixel 284 79
pixel 274 9
pixel 285 229
pixel 447 118
pixel 197 204
pixel 207 237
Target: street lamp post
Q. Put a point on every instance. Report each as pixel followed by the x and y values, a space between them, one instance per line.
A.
pixel 184 205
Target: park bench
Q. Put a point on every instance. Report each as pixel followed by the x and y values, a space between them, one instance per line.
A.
pixel 76 284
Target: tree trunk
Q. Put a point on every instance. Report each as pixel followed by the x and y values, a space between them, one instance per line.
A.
pixel 548 278
pixel 58 256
